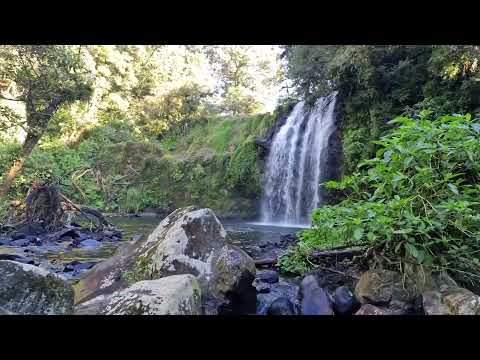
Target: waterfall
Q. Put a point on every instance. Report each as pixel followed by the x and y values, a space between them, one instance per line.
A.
pixel 294 164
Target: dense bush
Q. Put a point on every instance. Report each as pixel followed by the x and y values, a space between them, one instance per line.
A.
pixel 416 204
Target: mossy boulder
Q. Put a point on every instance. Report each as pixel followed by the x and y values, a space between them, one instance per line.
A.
pixel 231 282
pixel 30 290
pixel 188 241
pixel 380 287
pixel 171 295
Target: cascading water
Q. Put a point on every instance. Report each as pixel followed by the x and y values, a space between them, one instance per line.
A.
pixel 294 165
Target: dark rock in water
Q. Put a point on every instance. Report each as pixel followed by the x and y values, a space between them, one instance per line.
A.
pixel 281 306
pixel 27 289
pixel 20 242
pixel 231 284
pixel 268 276
pixel 278 290
pixel 114 238
pixel 345 302
pixel 314 299
pixel 262 288
pixel 5 240
pixel 76 267
pixel 136 237
pixel 14 257
pixel 18 236
pixel 89 243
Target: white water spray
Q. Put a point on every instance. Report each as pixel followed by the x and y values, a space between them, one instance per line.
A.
pixel 294 167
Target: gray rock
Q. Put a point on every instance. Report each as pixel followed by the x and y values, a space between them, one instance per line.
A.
pixel 268 276
pixel 345 302
pixel 4 311
pixel 451 301
pixel 233 272
pixel 379 287
pixel 369 309
pixel 281 306
pixel 27 289
pixel 171 295
pixel 314 299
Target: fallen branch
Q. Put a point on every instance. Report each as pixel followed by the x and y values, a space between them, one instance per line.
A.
pixel 263 262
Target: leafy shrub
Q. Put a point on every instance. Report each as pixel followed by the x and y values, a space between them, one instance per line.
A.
pixel 416 203
pixel 242 170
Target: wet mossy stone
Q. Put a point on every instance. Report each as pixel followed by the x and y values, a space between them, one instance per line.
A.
pixel 30 290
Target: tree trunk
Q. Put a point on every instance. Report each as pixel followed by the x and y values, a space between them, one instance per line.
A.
pixel 30 141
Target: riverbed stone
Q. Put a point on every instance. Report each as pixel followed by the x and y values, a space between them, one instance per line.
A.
pixel 379 287
pixel 369 309
pixel 281 306
pixel 27 289
pixel 268 276
pixel 171 295
pixel 233 273
pixel 451 301
pixel 314 299
pixel 345 302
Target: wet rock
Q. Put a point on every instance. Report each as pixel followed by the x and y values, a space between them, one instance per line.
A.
pixel 379 287
pixel 262 288
pixel 4 311
pixel 27 289
pixel 278 290
pixel 314 299
pixel 15 257
pixel 171 295
pixel 5 240
pixel 231 283
pixel 281 306
pixel 345 302
pixel 95 306
pixel 369 309
pixel 136 237
pixel 268 276
pixel 18 236
pixel 77 267
pixel 451 301
pixel 89 243
pixel 20 242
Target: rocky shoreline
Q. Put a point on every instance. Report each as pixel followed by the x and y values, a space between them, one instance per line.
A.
pixel 189 266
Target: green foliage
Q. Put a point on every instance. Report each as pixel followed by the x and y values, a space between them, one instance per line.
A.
pixel 242 170
pixel 415 203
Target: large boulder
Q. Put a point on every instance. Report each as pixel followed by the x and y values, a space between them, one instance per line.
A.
pixel 231 281
pixel 171 295
pixel 27 289
pixel 380 287
pixel 188 241
pixel 314 299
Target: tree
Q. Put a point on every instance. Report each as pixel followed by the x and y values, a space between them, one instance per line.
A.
pixel 44 77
